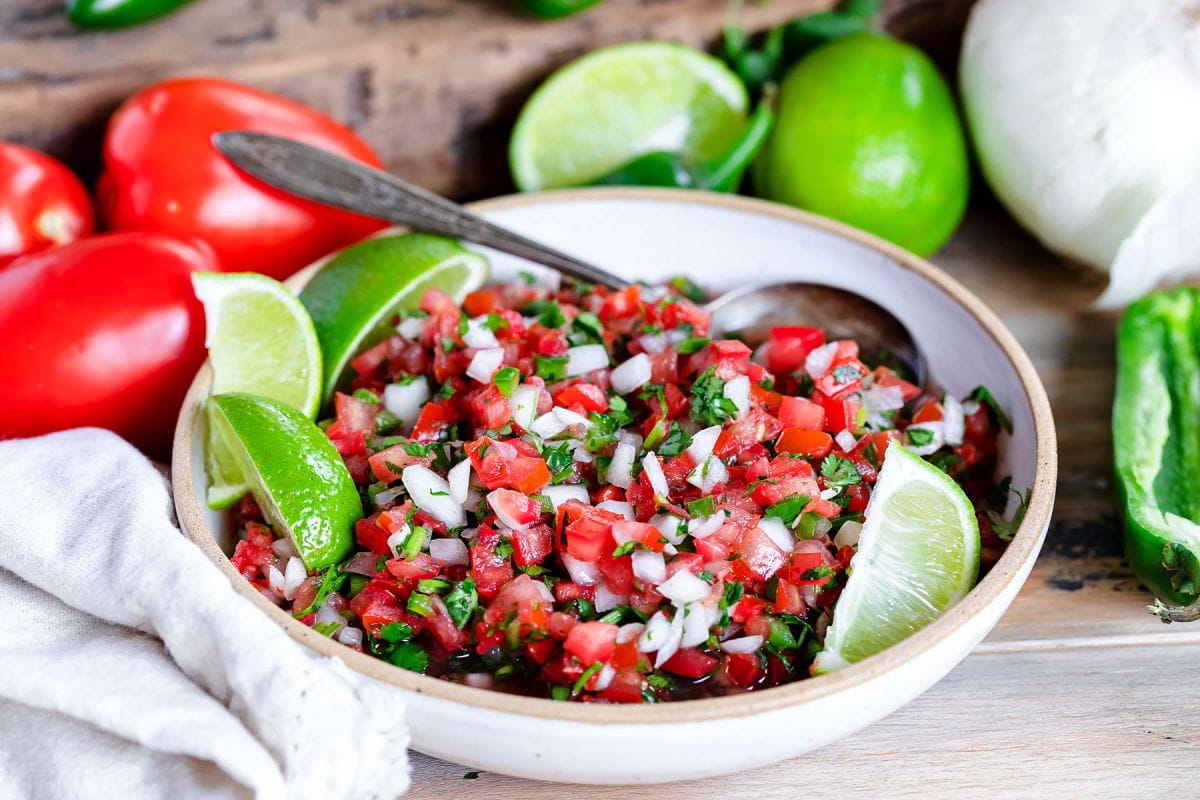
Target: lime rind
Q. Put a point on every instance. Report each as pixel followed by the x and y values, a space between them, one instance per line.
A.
pixel 352 299
pixel 615 104
pixel 918 555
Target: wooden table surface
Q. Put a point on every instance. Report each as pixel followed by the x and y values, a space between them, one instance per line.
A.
pixel 1078 692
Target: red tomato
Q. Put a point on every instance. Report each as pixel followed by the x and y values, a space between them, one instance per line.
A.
pixel 107 332
pixel 796 412
pixel 843 378
pixel 801 442
pixel 531 545
pixel 690 663
pixel 760 556
pixel 163 173
pixel 592 641
pixel 790 346
pixel 44 203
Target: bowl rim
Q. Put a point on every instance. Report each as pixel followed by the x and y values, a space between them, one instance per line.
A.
pixel 1023 547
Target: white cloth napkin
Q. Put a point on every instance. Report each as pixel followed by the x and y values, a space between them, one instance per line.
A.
pixel 129 667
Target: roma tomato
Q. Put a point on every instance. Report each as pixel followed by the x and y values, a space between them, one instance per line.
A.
pixel 104 332
pixel 42 203
pixel 163 173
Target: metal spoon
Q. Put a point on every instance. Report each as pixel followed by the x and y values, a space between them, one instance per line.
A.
pixel 750 311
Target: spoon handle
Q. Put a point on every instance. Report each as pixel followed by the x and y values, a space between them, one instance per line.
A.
pixel 326 178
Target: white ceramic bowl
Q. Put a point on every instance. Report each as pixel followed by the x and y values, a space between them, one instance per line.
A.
pixel 720 242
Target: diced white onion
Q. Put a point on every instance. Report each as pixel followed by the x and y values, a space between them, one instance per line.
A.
pixel 684 587
pixel 630 438
pixel 580 453
pixel 830 493
pixel 629 631
pixel 737 390
pixel 450 551
pixel 388 495
pixel 293 575
pixel 479 335
pixel 845 440
pixel 649 566
pixel 653 343
pixel 459 478
pixel 703 527
pixel 397 539
pixel 702 444
pixel 411 328
pixel 557 420
pixel 848 534
pixel 571 418
pixel 695 625
pixel 586 358
pixel 275 579
pixel 654 473
pixel 406 400
pixel 485 363
pixel 351 637
pixel 708 475
pixel 938 438
pixel 585 573
pixel 970 408
pixel 328 615
pixel 880 400
pixel 618 507
pixel 953 420
pixel 670 526
pixel 620 469
pixel 604 677
pixel 819 359
pixel 606 600
pixel 655 634
pixel 431 493
pixel 674 637
pixel 564 492
pixel 822 526
pixel 777 532
pixel 496 502
pixel 631 375
pixel 523 403
pixel 746 644
pixel 284 548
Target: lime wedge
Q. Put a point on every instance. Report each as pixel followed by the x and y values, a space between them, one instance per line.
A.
pixel 294 472
pixel 260 340
pixel 352 299
pixel 918 554
pixel 611 106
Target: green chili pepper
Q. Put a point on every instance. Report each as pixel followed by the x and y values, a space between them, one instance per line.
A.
pixel 94 14
pixel 555 9
pixel 723 174
pixel 1156 447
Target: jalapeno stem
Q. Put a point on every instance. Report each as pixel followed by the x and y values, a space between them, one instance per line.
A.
pixel 1169 614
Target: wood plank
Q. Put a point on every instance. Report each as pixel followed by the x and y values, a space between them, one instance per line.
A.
pixel 1103 722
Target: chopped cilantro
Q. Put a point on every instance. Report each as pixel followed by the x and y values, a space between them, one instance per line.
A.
pixel 552 316
pixel 618 409
pixel 984 397
pixel 817 573
pixel 789 509
pixel 839 472
pixel 1005 529
pixel 495 322
pixel 625 549
pixel 586 676
pixel 462 602
pixel 688 289
pixel 919 436
pixel 709 404
pixel 676 442
pixel 560 461
pixel 660 681
pixel 528 277
pixel 504 549
pixel 847 373
pixel 331 581
pixel 326 628
pixel 446 392
pixel 464 324
pixel 603 431
pixel 386 421
pixel 587 329
pixel 410 656
pixel 447 344
pixel 396 632
pixel 583 607
pixel 417 450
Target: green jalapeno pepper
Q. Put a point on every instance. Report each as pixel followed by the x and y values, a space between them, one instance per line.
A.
pixel 661 168
pixel 1156 447
pixel 555 9
pixel 93 14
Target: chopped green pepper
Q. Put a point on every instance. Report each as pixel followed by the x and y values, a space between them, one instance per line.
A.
pixel 555 9
pixel 98 14
pixel 1156 447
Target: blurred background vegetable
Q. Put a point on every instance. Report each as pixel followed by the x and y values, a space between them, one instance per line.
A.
pixel 118 13
pixel 42 203
pixel 554 9
pixel 1085 115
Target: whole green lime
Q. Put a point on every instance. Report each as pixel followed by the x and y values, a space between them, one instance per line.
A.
pixel 868 134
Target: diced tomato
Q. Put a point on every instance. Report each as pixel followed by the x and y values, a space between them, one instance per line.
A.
pixel 590 534
pixel 729 357
pixel 540 651
pixel 624 304
pixel 931 411
pixel 531 545
pixel 421 567
pixel 566 591
pixel 376 606
pixel 747 608
pixel 625 654
pixel 563 670
pixel 368 534
pixel 592 641
pixel 886 377
pixel 583 398
pixel 789 347
pixel 770 401
pixel 513 508
pixel 491 409
pixel 443 628
pixel 664 367
pixel 797 412
pixel 647 535
pixel 617 572
pixel 858 496
pixel 528 474
pixel 530 599
pixel 846 348
pixel 480 302
pixel 645 601
pixel 489 570
pixel 688 662
pixel 807 443
pixel 750 428
pixel 824 508
pixel 254 551
pixel 760 556
pixel 625 687
pixel 685 312
pixel 354 425
pixel 743 669
pixel 369 360
pixel 435 417
pixel 843 378
pixel 387 465
pixel 840 415
pixel 787 599
pixel 559 624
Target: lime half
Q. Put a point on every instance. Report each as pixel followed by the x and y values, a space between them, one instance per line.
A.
pixel 611 106
pixel 352 299
pixel 918 554
pixel 296 475
pixel 260 340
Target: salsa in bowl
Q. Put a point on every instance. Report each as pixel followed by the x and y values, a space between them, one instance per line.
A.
pixel 612 486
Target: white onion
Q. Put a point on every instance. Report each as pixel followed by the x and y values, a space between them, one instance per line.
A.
pixel 702 444
pixel 630 630
pixel 585 573
pixel 586 358
pixel 557 420
pixel 819 359
pixel 703 527
pixel 406 400
pixel 684 587
pixel 1096 153
pixel 822 526
pixel 878 401
pixel 431 493
pixel 632 374
pixel 695 625
pixel 654 473
pixel 649 566
pixel 606 600
pixel 674 636
pixel 655 634
pixel 620 469
pixel 485 363
pixel 411 328
pixel 937 429
pixel 496 502
pixel 845 440
pixel 580 453
pixel 848 534
pixel 708 475
pixel 293 575
pixel 604 678
pixel 777 532
pixel 737 390
pixel 275 580
pixel 328 615
pixel 831 492
pixel 653 343
pixel 459 478
pixel 564 492
pixel 351 637
pixel 953 421
pixel 388 495
pixel 449 551
pixel 618 507
pixel 479 335
pixel 970 408
pixel 746 644
pixel 523 404
pixel 397 539
pixel 670 526
pixel 284 548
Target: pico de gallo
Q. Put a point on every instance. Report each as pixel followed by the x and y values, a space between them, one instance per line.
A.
pixel 577 493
